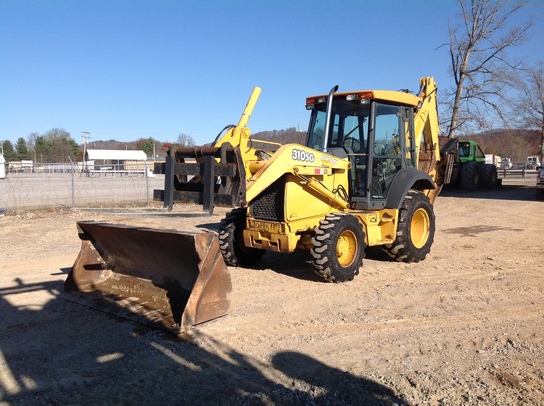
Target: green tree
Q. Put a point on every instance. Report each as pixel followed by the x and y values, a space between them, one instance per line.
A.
pixel 9 151
pixel 41 148
pixel 22 149
pixel 146 145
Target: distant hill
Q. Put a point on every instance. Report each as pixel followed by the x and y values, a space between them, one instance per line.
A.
pixel 514 144
pixel 287 136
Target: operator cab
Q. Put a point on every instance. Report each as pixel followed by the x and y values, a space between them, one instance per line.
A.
pixel 376 136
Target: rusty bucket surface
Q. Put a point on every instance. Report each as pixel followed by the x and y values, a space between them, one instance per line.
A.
pixel 165 278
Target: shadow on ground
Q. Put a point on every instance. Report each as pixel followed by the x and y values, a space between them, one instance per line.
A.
pixel 504 192
pixel 65 353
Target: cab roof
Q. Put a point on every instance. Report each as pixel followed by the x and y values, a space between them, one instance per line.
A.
pixel 385 95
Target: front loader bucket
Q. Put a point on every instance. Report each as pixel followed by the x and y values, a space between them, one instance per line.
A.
pixel 165 278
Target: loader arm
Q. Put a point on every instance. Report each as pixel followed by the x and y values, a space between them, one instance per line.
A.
pixel 238 137
pixel 215 174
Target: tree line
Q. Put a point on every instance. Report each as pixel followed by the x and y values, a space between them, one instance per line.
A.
pixel 55 145
pixel 58 146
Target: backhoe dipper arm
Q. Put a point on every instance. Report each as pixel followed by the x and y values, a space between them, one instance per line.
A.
pixel 426 117
pixel 426 125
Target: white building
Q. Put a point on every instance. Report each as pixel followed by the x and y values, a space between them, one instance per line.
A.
pixel 2 167
pixel 116 161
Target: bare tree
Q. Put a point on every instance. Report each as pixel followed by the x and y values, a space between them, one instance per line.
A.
pixel 480 65
pixel 31 140
pixel 528 110
pixel 185 140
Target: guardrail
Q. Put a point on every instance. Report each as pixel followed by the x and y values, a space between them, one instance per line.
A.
pixel 517 173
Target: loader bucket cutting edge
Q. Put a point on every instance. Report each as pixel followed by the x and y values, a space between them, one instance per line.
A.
pixel 164 278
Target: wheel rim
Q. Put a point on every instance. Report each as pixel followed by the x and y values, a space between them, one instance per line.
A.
pixel 346 248
pixel 420 228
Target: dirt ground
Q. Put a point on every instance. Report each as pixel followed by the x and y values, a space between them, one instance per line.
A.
pixel 465 326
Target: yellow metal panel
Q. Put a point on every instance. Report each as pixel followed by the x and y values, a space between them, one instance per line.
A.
pixel 380 226
pixel 304 202
pixel 295 155
pixel 278 242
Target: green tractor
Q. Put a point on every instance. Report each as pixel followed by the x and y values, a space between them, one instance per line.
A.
pixel 470 171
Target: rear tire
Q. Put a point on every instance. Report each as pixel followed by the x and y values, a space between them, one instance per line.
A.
pixel 231 240
pixel 470 179
pixel 488 175
pixel 338 247
pixel 415 231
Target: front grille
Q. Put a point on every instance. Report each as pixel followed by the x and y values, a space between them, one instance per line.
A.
pixel 269 205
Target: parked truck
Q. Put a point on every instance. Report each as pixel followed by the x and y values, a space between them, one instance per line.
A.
pixel 506 163
pixel 532 162
pixel 493 160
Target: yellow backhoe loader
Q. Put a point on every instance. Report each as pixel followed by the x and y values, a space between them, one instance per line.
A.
pixel 367 176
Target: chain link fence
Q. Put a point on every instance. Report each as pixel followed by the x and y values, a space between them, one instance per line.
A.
pixel 74 185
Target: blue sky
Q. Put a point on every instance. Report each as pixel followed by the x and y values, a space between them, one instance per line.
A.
pixel 135 69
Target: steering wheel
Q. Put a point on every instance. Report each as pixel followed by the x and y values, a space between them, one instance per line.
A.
pixel 351 145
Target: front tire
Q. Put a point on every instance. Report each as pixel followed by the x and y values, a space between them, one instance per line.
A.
pixel 470 179
pixel 338 247
pixel 415 231
pixel 231 240
pixel 488 175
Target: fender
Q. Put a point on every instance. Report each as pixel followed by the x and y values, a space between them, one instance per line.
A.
pixel 405 180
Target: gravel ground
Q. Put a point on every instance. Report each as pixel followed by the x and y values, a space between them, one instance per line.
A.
pixel 464 326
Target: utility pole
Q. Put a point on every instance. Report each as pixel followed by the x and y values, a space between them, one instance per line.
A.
pixel 86 137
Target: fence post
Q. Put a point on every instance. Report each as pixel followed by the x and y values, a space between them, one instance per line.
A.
pixel 73 184
pixel 146 184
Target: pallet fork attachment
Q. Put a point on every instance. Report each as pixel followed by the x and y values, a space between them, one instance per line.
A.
pixel 168 279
